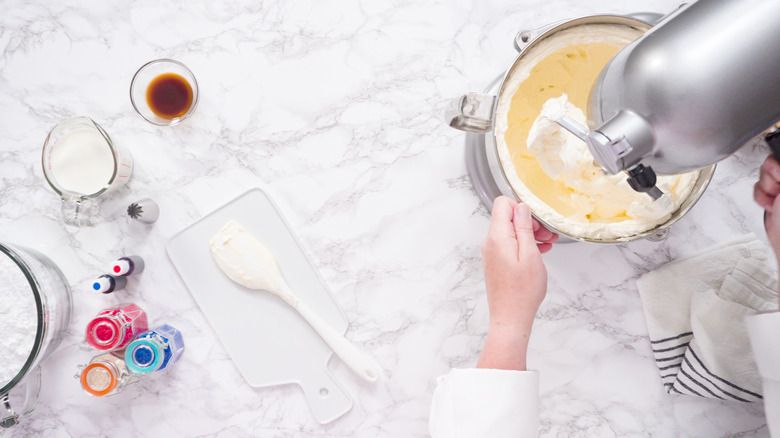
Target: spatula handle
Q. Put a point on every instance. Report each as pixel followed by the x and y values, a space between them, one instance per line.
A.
pixel 358 361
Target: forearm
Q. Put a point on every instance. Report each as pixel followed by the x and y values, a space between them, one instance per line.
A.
pixel 505 348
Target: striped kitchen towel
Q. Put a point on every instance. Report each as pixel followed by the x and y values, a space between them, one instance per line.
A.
pixel 695 309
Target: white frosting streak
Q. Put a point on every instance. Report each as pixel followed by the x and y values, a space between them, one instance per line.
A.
pixel 558 150
pixel 247 262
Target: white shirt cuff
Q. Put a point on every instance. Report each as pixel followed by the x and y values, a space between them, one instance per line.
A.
pixel 481 403
pixel 763 330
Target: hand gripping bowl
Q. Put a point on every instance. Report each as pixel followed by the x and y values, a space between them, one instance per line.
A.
pixel 476 113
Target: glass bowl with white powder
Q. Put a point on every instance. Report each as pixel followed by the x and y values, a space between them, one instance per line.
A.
pixel 35 312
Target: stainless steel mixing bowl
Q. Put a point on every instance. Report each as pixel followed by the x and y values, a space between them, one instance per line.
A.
pixel 476 113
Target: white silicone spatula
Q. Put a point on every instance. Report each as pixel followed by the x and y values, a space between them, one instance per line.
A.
pixel 247 262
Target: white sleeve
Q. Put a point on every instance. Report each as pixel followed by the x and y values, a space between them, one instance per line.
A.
pixel 486 403
pixel 763 330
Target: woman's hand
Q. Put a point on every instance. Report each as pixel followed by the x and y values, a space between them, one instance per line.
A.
pixel 516 282
pixel 765 193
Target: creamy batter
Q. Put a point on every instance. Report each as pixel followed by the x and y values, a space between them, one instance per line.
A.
pixel 551 169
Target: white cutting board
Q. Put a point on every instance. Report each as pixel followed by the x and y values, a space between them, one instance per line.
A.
pixel 270 343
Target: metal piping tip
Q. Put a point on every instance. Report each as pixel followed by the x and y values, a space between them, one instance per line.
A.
pixel 145 211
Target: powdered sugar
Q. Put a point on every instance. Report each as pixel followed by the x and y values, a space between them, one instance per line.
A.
pixel 18 320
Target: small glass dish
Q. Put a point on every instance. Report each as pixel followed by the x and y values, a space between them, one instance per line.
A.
pixel 164 92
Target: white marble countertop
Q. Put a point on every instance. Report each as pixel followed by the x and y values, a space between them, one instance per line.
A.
pixel 334 108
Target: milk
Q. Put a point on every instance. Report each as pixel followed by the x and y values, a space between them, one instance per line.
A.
pixel 82 162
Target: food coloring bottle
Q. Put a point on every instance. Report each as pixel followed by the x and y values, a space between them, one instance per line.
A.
pixel 154 350
pixel 129 265
pixel 106 284
pixel 115 327
pixel 106 374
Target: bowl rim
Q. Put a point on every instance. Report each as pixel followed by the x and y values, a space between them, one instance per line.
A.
pixel 35 352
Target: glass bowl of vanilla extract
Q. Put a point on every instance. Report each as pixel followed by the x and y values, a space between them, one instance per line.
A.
pixel 164 92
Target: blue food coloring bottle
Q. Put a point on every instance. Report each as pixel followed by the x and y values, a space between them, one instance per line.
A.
pixel 154 350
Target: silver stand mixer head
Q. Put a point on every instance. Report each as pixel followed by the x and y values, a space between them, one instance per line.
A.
pixel 690 92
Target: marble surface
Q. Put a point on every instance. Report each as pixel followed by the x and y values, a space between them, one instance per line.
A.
pixel 334 108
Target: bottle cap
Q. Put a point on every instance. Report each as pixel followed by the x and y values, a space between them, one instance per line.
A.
pixel 108 283
pixel 104 333
pixel 121 267
pixel 99 378
pixel 128 265
pixel 143 356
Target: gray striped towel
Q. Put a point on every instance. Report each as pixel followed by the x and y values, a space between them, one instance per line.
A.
pixel 695 309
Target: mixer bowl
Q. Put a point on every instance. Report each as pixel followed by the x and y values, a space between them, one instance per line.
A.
pixel 27 271
pixel 476 113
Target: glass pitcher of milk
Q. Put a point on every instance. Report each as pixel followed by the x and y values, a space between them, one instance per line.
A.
pixel 81 162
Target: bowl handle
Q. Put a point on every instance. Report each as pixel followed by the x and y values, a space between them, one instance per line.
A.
pixel 526 36
pixel 32 383
pixel 471 112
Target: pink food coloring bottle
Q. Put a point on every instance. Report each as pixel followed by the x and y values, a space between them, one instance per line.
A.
pixel 115 327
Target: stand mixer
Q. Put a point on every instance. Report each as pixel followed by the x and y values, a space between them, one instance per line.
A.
pixel 691 91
